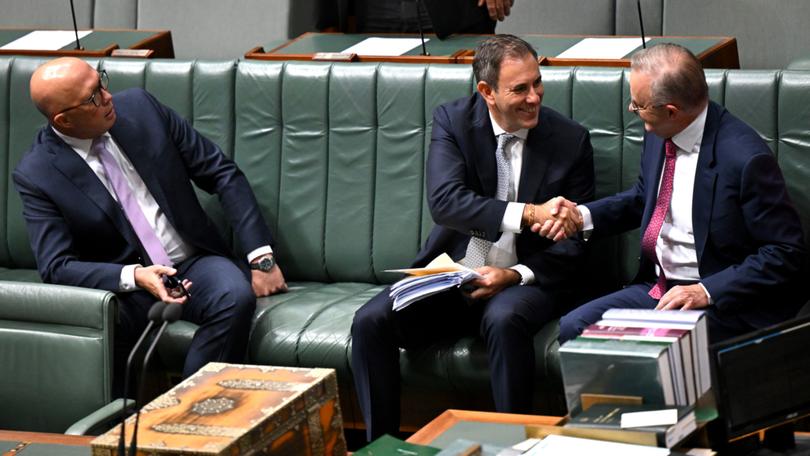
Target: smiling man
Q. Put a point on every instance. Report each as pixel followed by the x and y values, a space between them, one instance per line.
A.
pixel 494 157
pixel 109 204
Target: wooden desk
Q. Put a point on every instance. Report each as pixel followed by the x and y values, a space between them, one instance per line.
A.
pixel 100 43
pixel 23 443
pixel 450 418
pixel 713 51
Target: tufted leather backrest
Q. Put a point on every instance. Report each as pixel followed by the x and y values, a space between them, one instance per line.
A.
pixel 335 152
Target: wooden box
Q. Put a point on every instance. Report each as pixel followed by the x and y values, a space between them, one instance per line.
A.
pixel 229 409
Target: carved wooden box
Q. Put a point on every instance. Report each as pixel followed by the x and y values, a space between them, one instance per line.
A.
pixel 229 409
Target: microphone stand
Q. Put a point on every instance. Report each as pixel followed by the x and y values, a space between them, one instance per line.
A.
pixel 171 314
pixel 641 25
pixel 155 315
pixel 78 45
pixel 419 26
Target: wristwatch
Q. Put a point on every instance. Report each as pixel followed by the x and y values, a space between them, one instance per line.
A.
pixel 264 265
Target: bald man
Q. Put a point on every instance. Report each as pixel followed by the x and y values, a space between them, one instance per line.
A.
pixel 109 204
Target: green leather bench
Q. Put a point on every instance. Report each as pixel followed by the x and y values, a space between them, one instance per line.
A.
pixel 335 154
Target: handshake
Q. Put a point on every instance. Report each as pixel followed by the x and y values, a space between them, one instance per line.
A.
pixel 556 219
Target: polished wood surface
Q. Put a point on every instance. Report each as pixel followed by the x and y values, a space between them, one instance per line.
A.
pixel 154 44
pixel 450 417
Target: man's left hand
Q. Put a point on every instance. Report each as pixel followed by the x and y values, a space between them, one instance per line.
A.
pixel 494 280
pixel 268 283
pixel 684 297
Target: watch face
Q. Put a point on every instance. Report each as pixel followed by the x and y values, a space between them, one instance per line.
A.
pixel 266 264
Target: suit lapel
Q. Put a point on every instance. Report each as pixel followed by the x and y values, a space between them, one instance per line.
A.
pixel 654 163
pixel 67 162
pixel 536 158
pixel 483 137
pixel 705 180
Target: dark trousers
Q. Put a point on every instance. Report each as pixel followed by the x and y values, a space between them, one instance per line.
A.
pixel 507 322
pixel 222 303
pixel 721 324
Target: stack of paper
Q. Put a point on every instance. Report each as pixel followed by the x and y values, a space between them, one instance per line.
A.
pixel 441 274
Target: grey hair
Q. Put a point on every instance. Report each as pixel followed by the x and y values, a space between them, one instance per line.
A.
pixel 490 54
pixel 677 75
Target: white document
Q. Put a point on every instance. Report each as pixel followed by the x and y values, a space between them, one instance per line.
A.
pixel 560 445
pixel 649 418
pixel 45 40
pixel 384 46
pixel 601 48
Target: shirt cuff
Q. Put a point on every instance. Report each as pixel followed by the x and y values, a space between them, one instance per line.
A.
pixel 587 220
pixel 512 218
pixel 126 281
pixel 526 274
pixel 708 295
pixel 263 250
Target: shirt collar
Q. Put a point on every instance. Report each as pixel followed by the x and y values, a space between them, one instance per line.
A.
pixel 82 146
pixel 523 133
pixel 690 136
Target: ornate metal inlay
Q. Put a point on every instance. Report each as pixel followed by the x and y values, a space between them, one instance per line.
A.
pixel 266 385
pixel 213 406
pixel 198 429
pixel 162 402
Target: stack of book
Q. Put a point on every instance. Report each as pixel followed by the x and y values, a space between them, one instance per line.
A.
pixel 657 360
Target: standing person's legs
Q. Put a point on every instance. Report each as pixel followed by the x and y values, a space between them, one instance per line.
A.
pixel 222 303
pixel 509 323
pixel 632 297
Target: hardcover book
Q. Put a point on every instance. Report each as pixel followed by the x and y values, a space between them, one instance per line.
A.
pixel 603 421
pixel 616 367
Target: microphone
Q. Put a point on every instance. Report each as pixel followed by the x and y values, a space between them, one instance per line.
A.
pixel 155 315
pixel 419 25
pixel 78 46
pixel 170 314
pixel 641 25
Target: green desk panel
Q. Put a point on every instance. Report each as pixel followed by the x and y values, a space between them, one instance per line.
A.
pixel 498 434
pixel 6 445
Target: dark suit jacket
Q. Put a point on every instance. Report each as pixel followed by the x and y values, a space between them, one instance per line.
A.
pixel 462 180
pixel 79 234
pixel 748 236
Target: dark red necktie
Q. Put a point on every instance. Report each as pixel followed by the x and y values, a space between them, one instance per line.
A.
pixel 650 237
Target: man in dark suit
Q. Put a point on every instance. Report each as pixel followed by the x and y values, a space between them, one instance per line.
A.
pixel 109 203
pixel 718 229
pixel 493 156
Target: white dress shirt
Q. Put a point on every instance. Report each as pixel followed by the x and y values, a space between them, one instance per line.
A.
pixel 503 254
pixel 177 249
pixel 675 247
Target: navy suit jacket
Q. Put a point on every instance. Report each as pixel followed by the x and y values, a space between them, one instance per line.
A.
pixel 78 232
pixel 750 247
pixel 462 181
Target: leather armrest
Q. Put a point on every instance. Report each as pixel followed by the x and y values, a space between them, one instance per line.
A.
pixel 57 304
pixel 100 420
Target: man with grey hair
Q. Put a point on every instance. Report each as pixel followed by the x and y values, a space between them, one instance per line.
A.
pixel 494 156
pixel 719 231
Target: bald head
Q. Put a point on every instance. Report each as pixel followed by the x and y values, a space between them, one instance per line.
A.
pixel 677 75
pixel 62 90
pixel 59 84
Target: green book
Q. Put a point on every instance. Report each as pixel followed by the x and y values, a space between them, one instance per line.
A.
pixel 616 367
pixel 387 445
pixel 603 422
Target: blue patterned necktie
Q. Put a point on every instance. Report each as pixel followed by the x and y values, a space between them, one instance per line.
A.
pixel 478 249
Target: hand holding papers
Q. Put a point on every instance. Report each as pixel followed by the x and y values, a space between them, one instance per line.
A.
pixel 439 275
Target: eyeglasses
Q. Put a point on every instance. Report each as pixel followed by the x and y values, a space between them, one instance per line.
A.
pixel 635 109
pixel 95 97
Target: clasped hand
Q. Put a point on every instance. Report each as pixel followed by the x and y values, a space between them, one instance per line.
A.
pixel 557 219
pixel 150 278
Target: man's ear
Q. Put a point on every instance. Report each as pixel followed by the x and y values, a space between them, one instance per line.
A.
pixel 486 91
pixel 61 121
pixel 672 110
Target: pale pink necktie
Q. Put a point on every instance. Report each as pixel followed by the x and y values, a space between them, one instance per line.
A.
pixel 126 198
pixel 650 237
